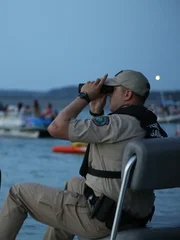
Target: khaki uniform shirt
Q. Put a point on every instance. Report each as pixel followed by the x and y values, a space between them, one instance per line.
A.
pixel 108 136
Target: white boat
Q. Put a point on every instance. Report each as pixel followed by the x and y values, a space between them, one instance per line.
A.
pixel 18 126
pixel 11 122
pixel 20 133
pixel 168 118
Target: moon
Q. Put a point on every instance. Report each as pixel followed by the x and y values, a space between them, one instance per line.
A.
pixel 157 77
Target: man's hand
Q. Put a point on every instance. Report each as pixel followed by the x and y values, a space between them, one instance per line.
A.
pixel 97 105
pixel 59 128
pixel 93 88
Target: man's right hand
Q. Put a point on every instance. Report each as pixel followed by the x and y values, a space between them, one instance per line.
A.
pixel 97 106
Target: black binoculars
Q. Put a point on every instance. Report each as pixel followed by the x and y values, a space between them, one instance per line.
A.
pixel 104 89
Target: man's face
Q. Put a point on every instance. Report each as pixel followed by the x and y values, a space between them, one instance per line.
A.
pixel 117 98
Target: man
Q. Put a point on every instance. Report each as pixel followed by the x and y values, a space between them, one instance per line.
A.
pixel 78 210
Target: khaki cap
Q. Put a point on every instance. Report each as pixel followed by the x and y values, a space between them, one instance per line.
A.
pixel 130 79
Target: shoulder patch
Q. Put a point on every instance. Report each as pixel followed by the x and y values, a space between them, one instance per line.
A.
pixel 101 120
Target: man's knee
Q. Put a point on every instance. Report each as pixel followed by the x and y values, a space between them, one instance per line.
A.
pixel 15 189
pixel 19 194
pixel 19 189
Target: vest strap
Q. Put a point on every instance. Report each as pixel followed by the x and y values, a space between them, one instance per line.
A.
pixel 104 174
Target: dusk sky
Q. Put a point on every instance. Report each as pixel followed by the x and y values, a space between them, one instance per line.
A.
pixel 51 44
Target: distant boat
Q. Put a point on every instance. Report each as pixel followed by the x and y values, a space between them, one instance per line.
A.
pixel 24 133
pixel 168 118
pixel 30 127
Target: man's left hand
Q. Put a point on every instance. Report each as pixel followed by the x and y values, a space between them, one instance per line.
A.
pixel 93 88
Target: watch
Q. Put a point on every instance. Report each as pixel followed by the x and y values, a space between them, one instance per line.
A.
pixel 85 96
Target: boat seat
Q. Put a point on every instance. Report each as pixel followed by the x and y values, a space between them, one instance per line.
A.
pixel 150 164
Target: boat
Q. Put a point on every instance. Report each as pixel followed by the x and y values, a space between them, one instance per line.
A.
pixel 28 127
pixel 69 149
pixel 24 133
pixel 169 118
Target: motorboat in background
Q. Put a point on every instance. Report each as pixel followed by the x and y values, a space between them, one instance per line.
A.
pixel 168 111
pixel 18 125
pixel 29 128
pixel 169 118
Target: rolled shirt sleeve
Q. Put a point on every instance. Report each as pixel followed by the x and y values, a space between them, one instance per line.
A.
pixel 103 129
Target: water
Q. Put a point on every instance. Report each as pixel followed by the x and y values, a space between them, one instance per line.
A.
pixel 32 160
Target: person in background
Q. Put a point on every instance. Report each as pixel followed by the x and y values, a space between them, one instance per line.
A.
pixel 175 110
pixel 27 111
pixel 36 110
pixel 48 113
pixel 20 109
pixel 79 208
pixel 54 115
pixel 19 106
pixel 6 110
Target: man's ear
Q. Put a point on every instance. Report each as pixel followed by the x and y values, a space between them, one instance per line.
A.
pixel 128 94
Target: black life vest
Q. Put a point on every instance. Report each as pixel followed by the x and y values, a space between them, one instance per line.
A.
pixel 148 121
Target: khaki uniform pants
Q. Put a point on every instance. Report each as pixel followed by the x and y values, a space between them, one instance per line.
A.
pixel 65 212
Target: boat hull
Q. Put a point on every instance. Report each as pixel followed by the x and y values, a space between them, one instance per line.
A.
pixel 168 119
pixel 24 133
pixel 14 126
